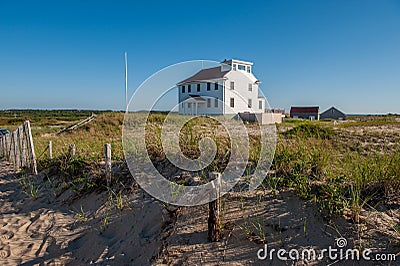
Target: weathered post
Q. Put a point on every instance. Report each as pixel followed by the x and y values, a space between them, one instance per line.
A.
pixel 72 150
pixel 17 158
pixel 1 147
pixel 214 222
pixel 8 145
pixel 21 143
pixel 3 153
pixel 50 150
pixel 31 147
pixel 5 146
pixel 107 155
pixel 12 149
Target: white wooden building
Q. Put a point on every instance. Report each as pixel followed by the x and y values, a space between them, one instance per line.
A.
pixel 230 88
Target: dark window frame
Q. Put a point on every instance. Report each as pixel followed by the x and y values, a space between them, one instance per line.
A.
pixel 232 103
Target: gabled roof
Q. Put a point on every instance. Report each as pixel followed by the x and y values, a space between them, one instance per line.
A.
pixel 205 75
pixel 333 108
pixel 308 109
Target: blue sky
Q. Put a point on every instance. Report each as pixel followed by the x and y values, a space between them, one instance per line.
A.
pixel 69 54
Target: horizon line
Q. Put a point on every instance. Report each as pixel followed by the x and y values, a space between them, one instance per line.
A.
pixel 138 111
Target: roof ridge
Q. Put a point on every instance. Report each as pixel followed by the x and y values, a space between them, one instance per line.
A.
pixel 206 74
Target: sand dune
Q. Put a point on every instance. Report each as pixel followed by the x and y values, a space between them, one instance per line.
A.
pixel 53 230
pixel 48 231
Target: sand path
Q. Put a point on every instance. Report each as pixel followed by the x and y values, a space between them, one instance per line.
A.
pixel 30 229
pixel 47 231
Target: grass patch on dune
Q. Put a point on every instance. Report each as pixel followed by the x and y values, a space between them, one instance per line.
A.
pixel 89 139
pixel 310 131
pixel 312 157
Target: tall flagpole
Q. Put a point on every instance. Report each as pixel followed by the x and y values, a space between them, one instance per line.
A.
pixel 126 81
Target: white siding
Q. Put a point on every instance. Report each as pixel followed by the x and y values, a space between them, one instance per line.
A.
pixel 241 92
pixel 202 108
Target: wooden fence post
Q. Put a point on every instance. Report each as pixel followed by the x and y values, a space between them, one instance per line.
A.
pixel 12 149
pixel 72 150
pixel 22 145
pixel 17 158
pixel 31 147
pixel 50 150
pixel 1 147
pixel 3 150
pixel 8 145
pixel 107 155
pixel 4 147
pixel 214 222
pixel 17 147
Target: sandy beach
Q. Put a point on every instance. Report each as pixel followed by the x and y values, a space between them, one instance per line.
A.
pixel 49 231
pixel 55 230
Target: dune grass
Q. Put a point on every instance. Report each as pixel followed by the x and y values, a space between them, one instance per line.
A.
pixel 318 159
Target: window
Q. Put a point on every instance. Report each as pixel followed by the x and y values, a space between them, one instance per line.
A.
pixel 234 67
pixel 198 87
pixel 189 105
pixel 208 102
pixel 232 85
pixel 250 87
pixel 182 105
pixel 183 89
pixel 232 103
pixel 216 103
pixel 241 67
pixel 249 103
pixel 189 88
pixel 248 69
pixel 260 105
pixel 216 86
pixel 208 86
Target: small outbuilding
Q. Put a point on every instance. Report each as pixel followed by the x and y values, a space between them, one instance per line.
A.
pixel 311 112
pixel 262 118
pixel 333 113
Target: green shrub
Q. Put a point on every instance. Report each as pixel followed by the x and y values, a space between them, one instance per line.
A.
pixel 310 131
